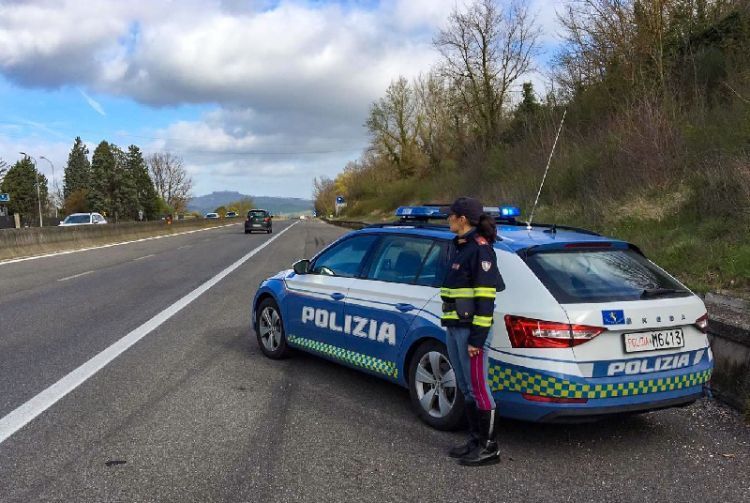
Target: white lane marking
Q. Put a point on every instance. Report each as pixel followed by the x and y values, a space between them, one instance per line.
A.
pixel 145 256
pixel 75 276
pixel 26 412
pixel 67 252
pixel 184 246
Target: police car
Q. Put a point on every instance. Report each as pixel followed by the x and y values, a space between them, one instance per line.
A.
pixel 586 326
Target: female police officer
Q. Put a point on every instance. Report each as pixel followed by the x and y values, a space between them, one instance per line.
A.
pixel 468 295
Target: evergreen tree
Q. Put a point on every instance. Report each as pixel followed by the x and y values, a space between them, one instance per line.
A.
pixel 20 182
pixel 78 170
pixel 102 167
pixel 145 193
pixel 122 187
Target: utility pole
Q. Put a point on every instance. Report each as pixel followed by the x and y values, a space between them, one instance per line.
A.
pixel 38 198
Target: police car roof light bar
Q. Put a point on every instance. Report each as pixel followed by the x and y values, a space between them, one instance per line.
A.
pixel 420 213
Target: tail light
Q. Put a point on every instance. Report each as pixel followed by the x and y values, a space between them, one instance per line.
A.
pixel 266 219
pixel 529 333
pixel 702 323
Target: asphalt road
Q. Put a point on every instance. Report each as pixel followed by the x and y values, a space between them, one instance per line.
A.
pixel 194 412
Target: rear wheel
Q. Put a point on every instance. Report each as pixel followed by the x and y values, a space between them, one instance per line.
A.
pixel 434 392
pixel 270 330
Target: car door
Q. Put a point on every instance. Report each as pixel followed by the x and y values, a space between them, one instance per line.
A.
pixel 381 306
pixel 315 302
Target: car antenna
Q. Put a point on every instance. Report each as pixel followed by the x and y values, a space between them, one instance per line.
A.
pixel 549 160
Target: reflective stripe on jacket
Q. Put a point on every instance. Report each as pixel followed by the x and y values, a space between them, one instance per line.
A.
pixel 469 288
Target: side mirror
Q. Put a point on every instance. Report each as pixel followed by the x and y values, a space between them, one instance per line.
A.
pixel 301 266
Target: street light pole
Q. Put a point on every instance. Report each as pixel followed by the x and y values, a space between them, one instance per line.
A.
pixel 54 187
pixel 38 197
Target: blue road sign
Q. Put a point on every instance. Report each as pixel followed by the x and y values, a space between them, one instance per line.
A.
pixel 4 198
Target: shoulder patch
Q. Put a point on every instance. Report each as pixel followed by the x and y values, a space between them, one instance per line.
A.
pixel 480 240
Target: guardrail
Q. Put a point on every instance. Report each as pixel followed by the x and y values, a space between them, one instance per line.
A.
pixel 349 224
pixel 729 334
pixel 35 240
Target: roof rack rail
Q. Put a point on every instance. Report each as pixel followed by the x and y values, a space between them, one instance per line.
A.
pixel 552 228
pixel 415 223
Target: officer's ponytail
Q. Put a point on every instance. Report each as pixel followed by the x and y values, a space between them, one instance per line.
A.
pixel 486 228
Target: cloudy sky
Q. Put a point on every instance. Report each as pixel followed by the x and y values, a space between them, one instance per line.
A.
pixel 258 96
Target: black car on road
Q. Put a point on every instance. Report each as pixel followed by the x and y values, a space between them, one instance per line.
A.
pixel 258 220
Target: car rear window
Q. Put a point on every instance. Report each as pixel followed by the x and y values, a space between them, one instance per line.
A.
pixel 602 276
pixel 256 214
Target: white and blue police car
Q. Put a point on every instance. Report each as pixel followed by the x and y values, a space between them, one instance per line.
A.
pixel 587 326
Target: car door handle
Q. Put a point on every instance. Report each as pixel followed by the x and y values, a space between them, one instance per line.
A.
pixel 337 296
pixel 404 308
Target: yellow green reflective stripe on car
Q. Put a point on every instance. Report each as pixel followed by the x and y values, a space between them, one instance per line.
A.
pixel 502 378
pixel 351 357
pixel 457 293
pixel 482 321
pixel 486 292
pixel 450 315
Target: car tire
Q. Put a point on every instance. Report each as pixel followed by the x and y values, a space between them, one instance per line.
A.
pixel 432 410
pixel 247 231
pixel 269 231
pixel 269 330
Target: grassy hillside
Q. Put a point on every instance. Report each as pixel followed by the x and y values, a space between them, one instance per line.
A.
pixel 655 148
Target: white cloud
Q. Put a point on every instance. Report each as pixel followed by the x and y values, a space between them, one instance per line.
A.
pixel 294 76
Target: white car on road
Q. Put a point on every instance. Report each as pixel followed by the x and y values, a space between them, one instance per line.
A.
pixel 83 219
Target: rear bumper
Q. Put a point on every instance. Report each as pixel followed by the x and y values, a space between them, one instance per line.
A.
pixel 251 227
pixel 517 391
pixel 579 415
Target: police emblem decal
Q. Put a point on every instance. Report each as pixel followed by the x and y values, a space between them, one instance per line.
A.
pixel 486 265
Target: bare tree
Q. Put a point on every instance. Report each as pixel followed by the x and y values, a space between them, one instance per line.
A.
pixel 171 179
pixel 485 50
pixel 394 125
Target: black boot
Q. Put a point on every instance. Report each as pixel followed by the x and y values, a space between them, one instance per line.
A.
pixel 487 451
pixel 472 417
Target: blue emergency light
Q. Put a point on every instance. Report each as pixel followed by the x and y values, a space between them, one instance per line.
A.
pixel 510 211
pixel 503 211
pixel 420 212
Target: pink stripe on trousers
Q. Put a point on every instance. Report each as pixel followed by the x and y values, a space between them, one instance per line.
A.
pixel 478 381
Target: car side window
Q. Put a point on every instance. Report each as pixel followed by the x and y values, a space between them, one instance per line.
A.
pixel 434 266
pixel 344 259
pixel 399 259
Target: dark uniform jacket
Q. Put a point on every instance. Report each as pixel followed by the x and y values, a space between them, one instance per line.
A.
pixel 470 285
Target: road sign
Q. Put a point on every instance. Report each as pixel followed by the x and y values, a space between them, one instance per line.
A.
pixel 4 198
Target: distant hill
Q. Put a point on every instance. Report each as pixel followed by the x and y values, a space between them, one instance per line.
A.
pixel 276 205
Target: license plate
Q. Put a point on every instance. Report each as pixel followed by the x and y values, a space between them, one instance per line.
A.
pixel 256 225
pixel 653 341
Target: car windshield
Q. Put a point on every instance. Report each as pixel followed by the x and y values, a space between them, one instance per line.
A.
pixel 602 276
pixel 77 219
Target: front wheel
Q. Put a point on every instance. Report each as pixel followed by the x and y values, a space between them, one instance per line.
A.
pixel 270 330
pixel 434 392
